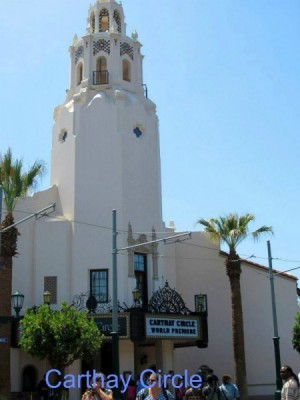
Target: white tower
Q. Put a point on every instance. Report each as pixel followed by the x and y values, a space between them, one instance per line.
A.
pixel 105 151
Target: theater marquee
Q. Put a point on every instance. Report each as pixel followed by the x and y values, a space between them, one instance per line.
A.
pixel 104 323
pixel 172 327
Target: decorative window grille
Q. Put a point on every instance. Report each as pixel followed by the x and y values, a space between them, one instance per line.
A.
pixel 125 48
pixel 50 285
pixel 79 52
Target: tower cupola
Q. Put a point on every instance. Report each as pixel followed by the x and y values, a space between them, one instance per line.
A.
pixel 105 57
pixel 105 16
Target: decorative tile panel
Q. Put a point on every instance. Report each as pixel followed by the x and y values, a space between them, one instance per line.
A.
pixel 79 52
pixel 125 48
pixel 101 45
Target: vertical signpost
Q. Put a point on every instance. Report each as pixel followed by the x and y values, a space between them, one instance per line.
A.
pixel 276 337
pixel 115 333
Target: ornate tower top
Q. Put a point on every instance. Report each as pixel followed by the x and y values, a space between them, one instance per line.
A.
pixel 106 16
pixel 105 57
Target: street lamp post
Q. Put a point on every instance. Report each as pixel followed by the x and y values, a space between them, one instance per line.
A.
pixel 8 340
pixel 115 333
pixel 17 302
pixel 276 338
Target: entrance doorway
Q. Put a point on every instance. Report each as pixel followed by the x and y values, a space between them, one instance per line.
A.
pixel 102 362
pixel 106 358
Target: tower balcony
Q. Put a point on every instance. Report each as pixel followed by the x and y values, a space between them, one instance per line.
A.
pixel 100 77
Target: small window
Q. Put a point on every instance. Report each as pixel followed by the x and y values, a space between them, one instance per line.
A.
pixel 63 136
pixel 79 73
pixel 99 285
pixel 101 73
pixel 137 131
pixel 92 22
pixel 126 70
pixel 104 20
pixel 139 262
pixel 117 19
pixel 140 272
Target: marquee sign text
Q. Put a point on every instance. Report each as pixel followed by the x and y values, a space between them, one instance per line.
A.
pixel 172 327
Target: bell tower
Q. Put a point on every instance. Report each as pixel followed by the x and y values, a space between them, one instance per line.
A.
pixel 105 55
pixel 105 146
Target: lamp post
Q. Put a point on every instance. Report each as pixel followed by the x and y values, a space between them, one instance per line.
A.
pixel 276 338
pixel 115 333
pixel 17 301
pixel 8 339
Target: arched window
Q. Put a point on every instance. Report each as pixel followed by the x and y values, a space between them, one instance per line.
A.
pixel 104 20
pixel 79 73
pixel 92 22
pixel 117 19
pixel 102 74
pixel 126 70
pixel 29 377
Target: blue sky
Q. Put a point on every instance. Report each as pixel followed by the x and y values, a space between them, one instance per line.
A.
pixel 225 77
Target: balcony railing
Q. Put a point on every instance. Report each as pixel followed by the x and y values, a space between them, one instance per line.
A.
pixel 100 77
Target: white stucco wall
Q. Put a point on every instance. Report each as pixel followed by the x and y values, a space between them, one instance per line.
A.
pixel 196 266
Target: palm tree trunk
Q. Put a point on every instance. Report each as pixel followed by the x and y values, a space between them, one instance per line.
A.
pixel 7 251
pixel 233 270
pixel 5 324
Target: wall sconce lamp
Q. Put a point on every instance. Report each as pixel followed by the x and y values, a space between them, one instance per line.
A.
pixel 136 296
pixel 47 298
pixel 201 303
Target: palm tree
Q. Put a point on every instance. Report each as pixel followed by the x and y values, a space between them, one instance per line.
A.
pixel 15 184
pixel 232 230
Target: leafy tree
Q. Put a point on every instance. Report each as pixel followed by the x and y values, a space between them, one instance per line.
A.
pixel 296 333
pixel 232 230
pixel 61 336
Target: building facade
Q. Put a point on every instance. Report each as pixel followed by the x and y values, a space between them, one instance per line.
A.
pixel 105 157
